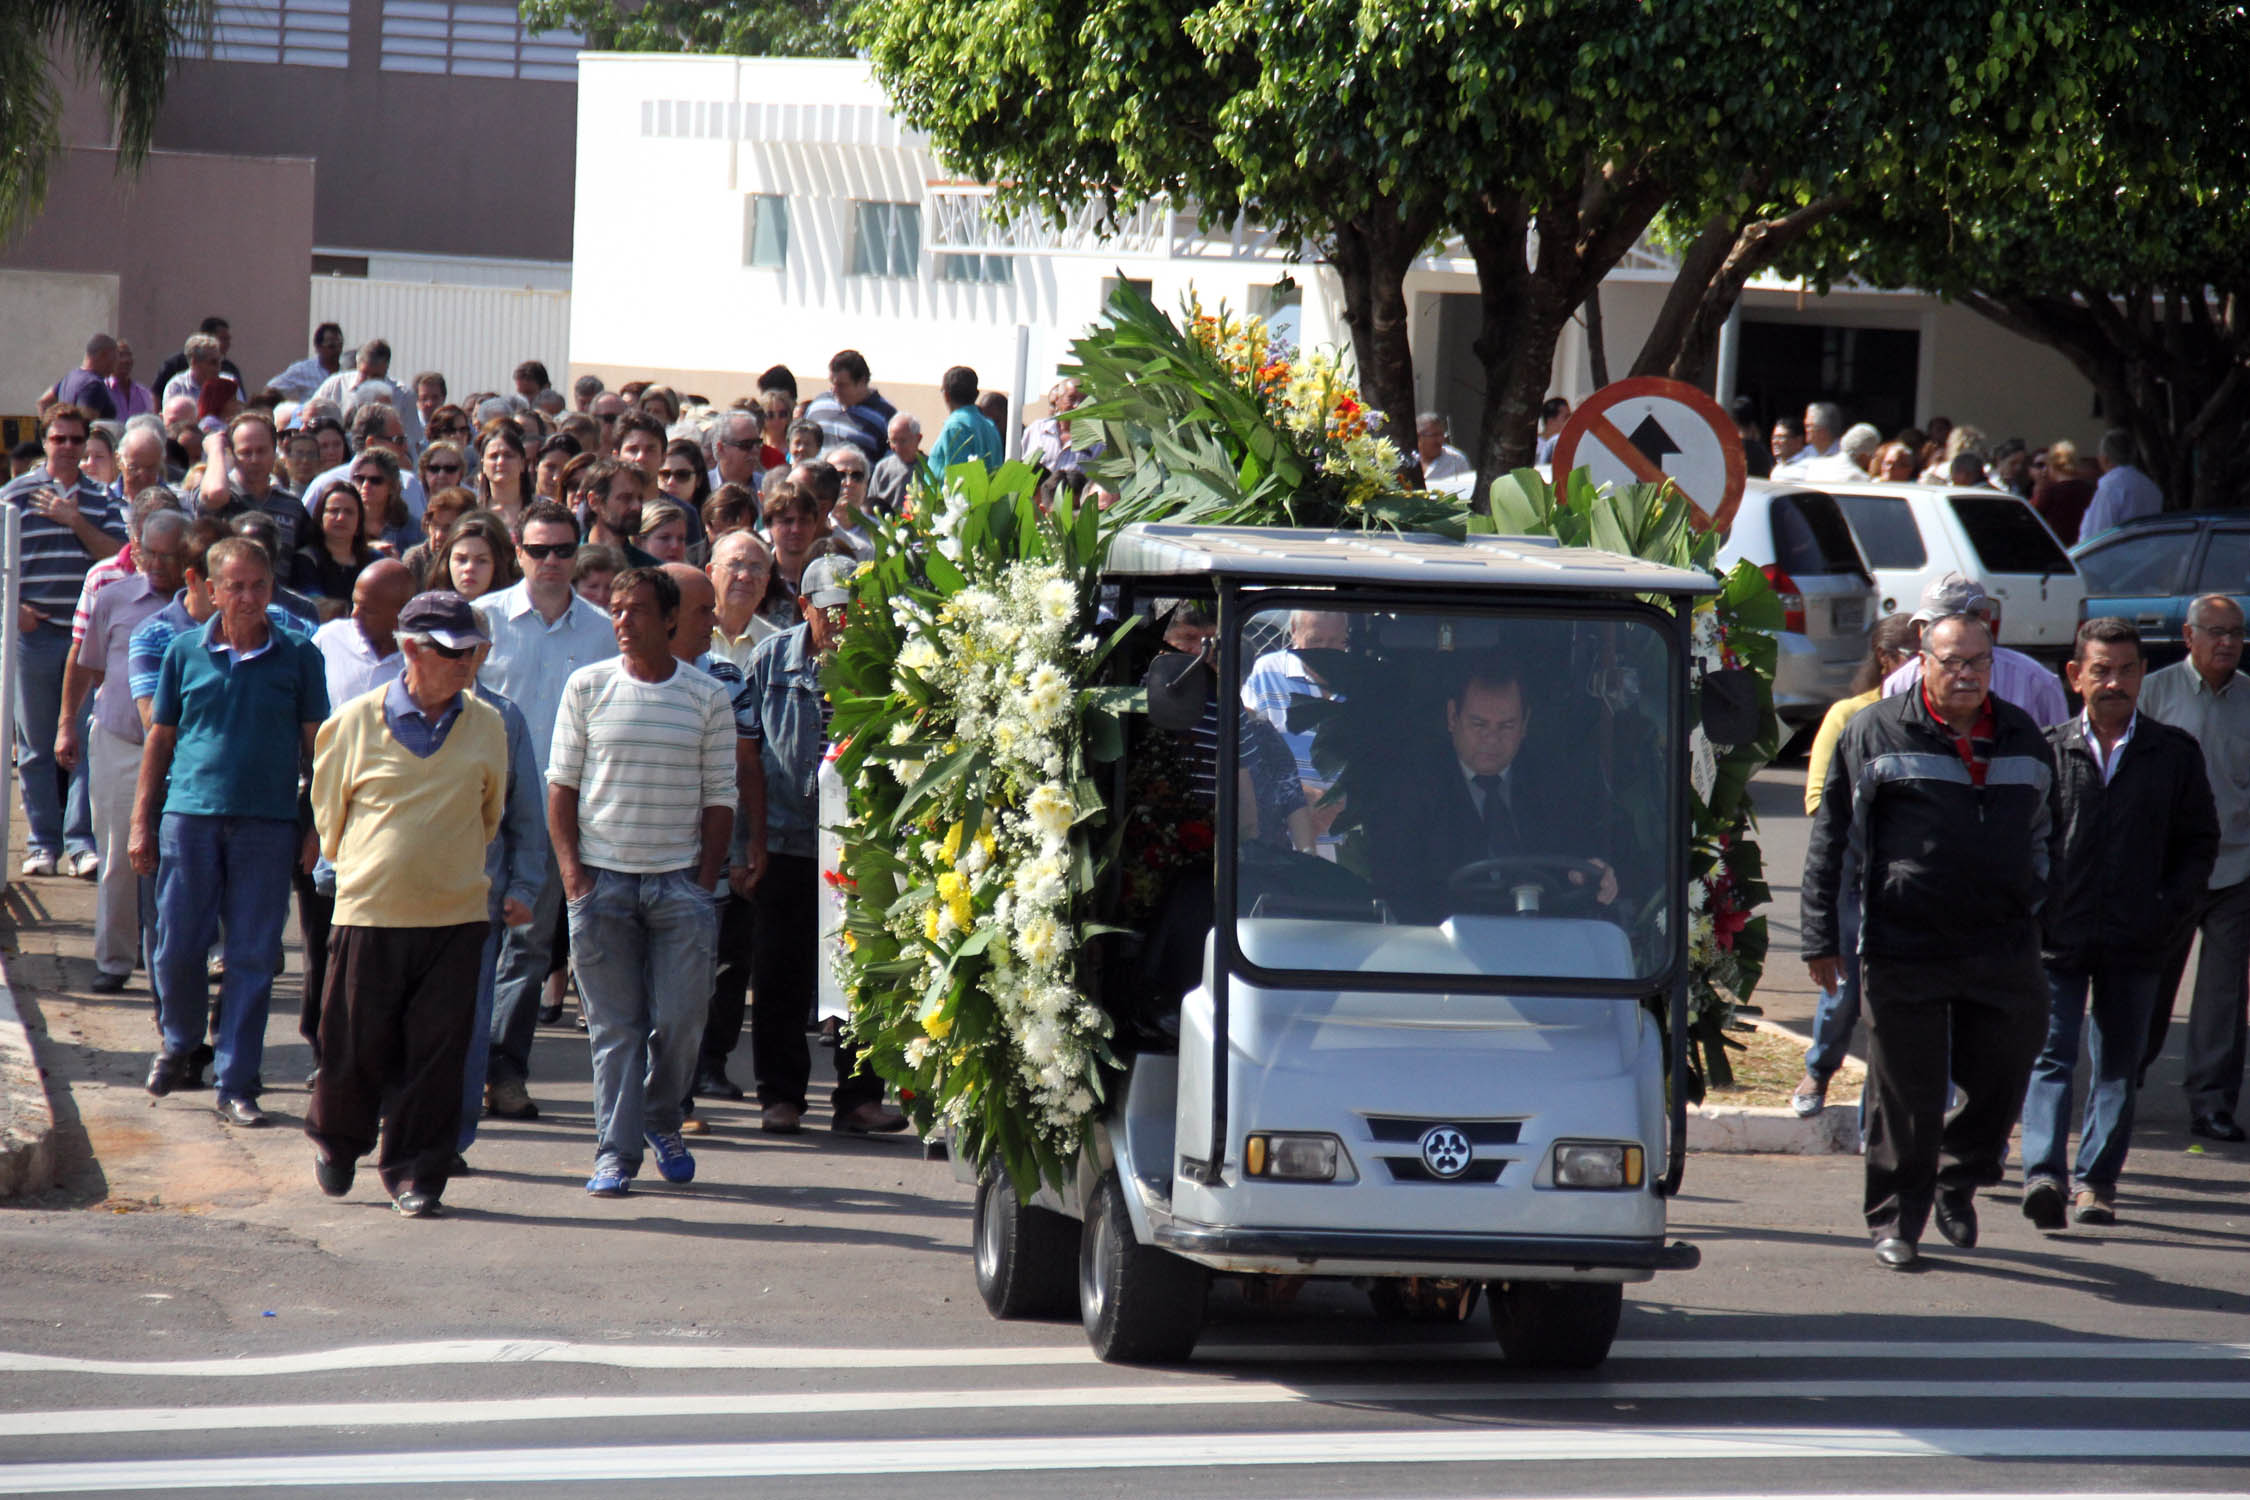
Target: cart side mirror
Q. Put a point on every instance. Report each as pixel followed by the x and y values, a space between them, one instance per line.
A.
pixel 1730 706
pixel 1179 687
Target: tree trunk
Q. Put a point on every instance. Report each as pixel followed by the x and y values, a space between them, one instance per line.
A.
pixel 1597 346
pixel 1371 256
pixel 1709 283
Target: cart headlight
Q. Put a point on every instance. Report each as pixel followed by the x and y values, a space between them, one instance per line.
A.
pixel 1299 1158
pixel 1597 1164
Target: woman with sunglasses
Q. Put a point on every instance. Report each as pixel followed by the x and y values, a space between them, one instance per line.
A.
pixel 477 556
pixel 389 523
pixel 555 454
pixel 442 466
pixel 449 424
pixel 446 507
pixel 329 563
pixel 504 473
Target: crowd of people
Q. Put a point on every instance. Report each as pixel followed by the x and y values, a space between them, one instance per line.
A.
pixel 503 692
pixel 2077 498
pixel 1989 872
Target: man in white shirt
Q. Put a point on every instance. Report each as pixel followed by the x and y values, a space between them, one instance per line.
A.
pixel 541 633
pixel 1440 459
pixel 307 375
pixel 2124 493
pixel 641 793
pixel 1824 431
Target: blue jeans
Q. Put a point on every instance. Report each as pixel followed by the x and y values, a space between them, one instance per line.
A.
pixel 1838 1014
pixel 212 872
pixel 644 949
pixel 2123 994
pixel 58 822
pixel 480 1041
pixel 520 983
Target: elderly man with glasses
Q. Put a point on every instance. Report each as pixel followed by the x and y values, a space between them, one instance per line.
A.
pixel 2016 678
pixel 1947 798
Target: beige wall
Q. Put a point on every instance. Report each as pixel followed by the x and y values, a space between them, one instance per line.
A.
pixel 723 386
pixel 48 315
pixel 190 236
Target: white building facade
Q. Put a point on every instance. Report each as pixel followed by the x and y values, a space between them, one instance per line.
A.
pixel 735 213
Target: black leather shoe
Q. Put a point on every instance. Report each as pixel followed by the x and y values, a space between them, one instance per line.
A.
pixel 108 984
pixel 244 1112
pixel 549 1014
pixel 2218 1126
pixel 334 1177
pixel 202 1057
pixel 1895 1254
pixel 1957 1219
pixel 167 1073
pixel 711 1082
pixel 413 1205
pixel 2043 1203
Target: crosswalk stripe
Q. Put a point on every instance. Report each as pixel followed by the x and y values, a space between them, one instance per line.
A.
pixel 795 1357
pixel 642 1464
pixel 119 1420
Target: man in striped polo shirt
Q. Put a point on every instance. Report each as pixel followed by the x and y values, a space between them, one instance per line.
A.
pixel 69 524
pixel 640 804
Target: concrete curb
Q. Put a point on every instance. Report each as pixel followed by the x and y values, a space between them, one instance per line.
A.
pixel 1775 1130
pixel 27 1120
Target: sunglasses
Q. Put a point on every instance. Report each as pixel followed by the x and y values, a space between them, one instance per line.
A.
pixel 685 476
pixel 541 551
pixel 859 475
pixel 450 653
pixel 441 468
pixel 371 479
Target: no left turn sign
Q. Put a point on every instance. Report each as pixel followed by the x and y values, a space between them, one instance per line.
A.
pixel 1647 430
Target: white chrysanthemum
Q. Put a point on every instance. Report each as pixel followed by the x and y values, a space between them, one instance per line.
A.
pixel 973 859
pixel 1039 940
pixel 1058 602
pixel 1047 693
pixel 1040 883
pixel 1051 810
pixel 918 656
pixel 918 1051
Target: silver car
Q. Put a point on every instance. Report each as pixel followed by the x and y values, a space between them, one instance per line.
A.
pixel 1799 539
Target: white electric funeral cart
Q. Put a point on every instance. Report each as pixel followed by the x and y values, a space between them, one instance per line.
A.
pixel 1417 1055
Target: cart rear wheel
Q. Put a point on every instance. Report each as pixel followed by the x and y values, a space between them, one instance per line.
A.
pixel 1141 1305
pixel 1027 1257
pixel 1556 1325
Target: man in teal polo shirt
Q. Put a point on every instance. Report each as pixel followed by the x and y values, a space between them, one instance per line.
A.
pixel 968 433
pixel 215 818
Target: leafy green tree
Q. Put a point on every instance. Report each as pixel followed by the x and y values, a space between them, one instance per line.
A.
pixel 124 48
pixel 2111 222
pixel 744 28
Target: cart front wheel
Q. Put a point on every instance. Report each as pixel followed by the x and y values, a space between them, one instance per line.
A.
pixel 1141 1305
pixel 1556 1325
pixel 1026 1256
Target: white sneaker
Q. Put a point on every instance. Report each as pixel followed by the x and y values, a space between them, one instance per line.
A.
pixel 39 864
pixel 85 864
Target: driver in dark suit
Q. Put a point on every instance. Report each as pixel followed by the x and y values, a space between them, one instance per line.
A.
pixel 1486 800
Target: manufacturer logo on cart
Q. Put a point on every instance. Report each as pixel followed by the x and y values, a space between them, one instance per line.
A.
pixel 1445 1151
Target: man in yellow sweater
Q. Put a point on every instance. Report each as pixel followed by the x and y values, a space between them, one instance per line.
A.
pixel 409 785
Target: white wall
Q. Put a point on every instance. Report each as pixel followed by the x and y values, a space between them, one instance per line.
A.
pixel 474 336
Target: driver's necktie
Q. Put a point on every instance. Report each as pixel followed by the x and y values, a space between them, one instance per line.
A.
pixel 1499 818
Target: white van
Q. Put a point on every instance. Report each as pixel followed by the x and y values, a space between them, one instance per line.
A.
pixel 1914 534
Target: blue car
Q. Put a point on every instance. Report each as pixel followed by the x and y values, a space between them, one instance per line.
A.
pixel 2149 571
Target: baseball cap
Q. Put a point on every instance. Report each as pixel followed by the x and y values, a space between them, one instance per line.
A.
pixel 1953 594
pixel 827 581
pixel 445 617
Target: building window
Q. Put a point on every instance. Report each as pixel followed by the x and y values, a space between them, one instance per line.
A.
pixel 473 41
pixel 977 270
pixel 1110 284
pixel 299 33
pixel 886 239
pixel 765 231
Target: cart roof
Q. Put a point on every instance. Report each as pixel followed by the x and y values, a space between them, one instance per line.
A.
pixel 1151 549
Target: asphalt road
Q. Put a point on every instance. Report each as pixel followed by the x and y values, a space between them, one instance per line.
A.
pixel 187 1311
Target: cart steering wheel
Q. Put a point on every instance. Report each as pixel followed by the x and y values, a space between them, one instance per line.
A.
pixel 1546 878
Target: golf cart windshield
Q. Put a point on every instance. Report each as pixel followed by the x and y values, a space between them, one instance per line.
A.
pixel 1426 792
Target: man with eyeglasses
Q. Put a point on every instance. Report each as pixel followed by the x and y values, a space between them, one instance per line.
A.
pixel 541 633
pixel 2016 678
pixel 1947 798
pixel 2209 698
pixel 69 524
pixel 847 517
pixel 735 447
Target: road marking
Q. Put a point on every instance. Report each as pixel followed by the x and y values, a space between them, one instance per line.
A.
pixel 753 1357
pixel 640 1464
pixel 117 1420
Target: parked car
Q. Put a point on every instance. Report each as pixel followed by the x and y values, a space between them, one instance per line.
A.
pixel 1799 539
pixel 1914 534
pixel 2149 571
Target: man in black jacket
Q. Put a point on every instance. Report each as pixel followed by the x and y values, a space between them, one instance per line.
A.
pixel 1947 796
pixel 2139 835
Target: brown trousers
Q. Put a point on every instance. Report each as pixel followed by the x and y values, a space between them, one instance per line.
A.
pixel 394 1030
